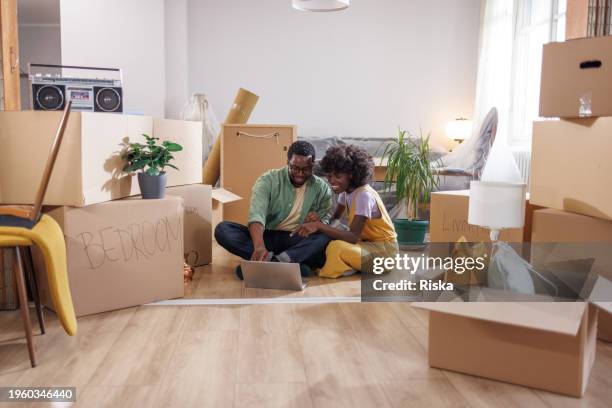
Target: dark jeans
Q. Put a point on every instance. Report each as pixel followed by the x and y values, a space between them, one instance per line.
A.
pixel 236 239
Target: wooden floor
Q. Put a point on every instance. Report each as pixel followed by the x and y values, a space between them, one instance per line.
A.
pixel 300 355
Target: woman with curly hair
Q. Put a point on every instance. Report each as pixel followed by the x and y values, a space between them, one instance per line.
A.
pixel 349 169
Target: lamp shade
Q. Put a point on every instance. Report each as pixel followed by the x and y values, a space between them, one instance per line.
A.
pixel 497 205
pixel 459 129
pixel 321 5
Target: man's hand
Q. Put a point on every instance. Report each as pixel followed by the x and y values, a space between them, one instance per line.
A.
pixel 312 217
pixel 308 228
pixel 259 254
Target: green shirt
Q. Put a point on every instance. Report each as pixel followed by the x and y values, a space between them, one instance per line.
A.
pixel 273 195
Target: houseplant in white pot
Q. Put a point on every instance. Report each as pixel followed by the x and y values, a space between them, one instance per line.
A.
pixel 409 168
pixel 150 160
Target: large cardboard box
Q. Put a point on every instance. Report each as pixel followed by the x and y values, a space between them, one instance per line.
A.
pixel 121 253
pixel 199 201
pixel 197 235
pixel 550 346
pixel 221 197
pixel 449 220
pixel 561 236
pixel 577 78
pixel 248 151
pixel 571 168
pixel 89 165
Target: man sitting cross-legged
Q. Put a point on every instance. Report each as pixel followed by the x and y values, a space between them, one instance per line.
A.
pixel 281 201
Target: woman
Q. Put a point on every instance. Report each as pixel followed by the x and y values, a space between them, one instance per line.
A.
pixel 349 168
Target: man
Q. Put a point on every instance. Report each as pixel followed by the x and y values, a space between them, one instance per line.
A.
pixel 281 201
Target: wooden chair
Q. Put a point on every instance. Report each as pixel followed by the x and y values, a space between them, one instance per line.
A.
pixel 27 216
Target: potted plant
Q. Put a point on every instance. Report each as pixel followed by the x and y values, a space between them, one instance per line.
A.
pixel 151 159
pixel 409 168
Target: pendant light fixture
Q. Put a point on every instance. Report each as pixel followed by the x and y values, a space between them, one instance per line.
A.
pixel 321 5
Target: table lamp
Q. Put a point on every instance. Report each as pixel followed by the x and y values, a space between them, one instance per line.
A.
pixel 459 129
pixel 497 201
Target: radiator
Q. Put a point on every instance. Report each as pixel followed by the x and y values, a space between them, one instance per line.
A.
pixel 523 161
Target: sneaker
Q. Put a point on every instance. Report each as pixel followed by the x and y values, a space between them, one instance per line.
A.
pixel 305 270
pixel 239 272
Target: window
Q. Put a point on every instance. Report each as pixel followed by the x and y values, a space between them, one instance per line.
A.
pixel 512 34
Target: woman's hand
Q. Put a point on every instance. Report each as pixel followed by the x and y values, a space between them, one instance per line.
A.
pixel 308 228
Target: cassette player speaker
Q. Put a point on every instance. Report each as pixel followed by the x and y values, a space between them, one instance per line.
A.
pixel 48 96
pixel 50 90
pixel 108 99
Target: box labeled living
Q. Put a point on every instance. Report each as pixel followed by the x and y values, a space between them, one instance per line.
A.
pixel 549 346
pixel 121 253
pixel 560 238
pixel 248 151
pixel 577 78
pixel 89 165
pixel 571 168
pixel 449 220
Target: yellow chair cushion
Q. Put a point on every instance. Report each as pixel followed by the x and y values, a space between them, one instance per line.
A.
pixel 49 238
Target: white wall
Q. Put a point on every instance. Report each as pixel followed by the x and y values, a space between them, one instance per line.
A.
pixel 361 72
pixel 38 43
pixel 176 58
pixel 127 34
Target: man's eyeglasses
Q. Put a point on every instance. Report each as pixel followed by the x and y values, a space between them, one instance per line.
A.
pixel 296 169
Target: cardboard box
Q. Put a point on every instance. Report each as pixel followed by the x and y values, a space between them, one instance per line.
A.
pixel 449 220
pixel 248 151
pixel 197 231
pixel 576 78
pixel 221 197
pixel 550 346
pixel 121 253
pixel 89 166
pixel 199 200
pixel 571 168
pixel 557 235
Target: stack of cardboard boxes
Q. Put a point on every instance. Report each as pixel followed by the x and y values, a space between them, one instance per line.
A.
pixel 571 167
pixel 545 345
pixel 122 250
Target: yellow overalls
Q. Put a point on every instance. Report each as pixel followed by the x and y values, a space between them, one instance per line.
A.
pixel 378 235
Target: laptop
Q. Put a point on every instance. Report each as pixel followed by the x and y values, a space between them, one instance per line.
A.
pixel 272 275
pixel 26 216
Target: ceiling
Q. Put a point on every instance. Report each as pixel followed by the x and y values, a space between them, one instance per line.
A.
pixel 44 12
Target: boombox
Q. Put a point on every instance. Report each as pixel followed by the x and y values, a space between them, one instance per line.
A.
pixel 50 92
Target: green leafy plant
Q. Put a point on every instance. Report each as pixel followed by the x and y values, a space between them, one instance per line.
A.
pixel 152 157
pixel 409 168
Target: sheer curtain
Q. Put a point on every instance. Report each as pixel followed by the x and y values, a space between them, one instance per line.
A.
pixel 510 58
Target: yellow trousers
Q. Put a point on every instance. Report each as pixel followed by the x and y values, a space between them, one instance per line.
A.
pixel 342 256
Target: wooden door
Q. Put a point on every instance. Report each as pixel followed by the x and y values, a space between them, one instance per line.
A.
pixel 10 54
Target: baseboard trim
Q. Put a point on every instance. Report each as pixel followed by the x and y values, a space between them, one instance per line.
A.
pixel 256 301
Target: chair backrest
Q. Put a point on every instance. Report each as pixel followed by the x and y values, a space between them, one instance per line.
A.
pixel 46 177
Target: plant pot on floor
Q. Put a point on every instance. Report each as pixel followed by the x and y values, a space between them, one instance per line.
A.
pixel 152 187
pixel 410 232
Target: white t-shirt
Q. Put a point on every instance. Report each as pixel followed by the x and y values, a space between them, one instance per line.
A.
pixel 365 205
